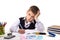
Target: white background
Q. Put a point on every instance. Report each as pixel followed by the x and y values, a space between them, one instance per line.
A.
pixel 10 10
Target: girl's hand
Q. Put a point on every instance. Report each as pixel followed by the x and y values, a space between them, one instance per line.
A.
pixel 21 31
pixel 38 13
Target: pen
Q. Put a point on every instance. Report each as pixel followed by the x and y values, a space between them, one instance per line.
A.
pixel 21 26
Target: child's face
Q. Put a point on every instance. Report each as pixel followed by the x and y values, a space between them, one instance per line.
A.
pixel 30 16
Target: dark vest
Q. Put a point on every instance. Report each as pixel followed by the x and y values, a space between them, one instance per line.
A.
pixel 22 23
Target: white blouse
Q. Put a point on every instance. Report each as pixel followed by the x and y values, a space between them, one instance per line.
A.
pixel 39 26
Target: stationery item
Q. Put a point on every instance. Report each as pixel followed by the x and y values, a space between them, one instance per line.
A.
pixel 22 37
pixel 31 37
pixel 51 34
pixel 9 36
pixel 39 37
pixel 42 33
pixel 2 32
pixel 34 37
pixel 0 24
pixel 38 33
pixel 54 29
pixel 21 26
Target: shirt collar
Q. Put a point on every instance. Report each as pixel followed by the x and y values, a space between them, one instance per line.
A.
pixel 25 19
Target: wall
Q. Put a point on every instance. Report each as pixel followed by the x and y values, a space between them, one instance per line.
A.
pixel 11 10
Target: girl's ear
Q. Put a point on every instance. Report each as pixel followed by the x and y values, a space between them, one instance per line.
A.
pixel 36 16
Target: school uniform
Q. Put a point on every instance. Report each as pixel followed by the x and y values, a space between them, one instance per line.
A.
pixel 22 24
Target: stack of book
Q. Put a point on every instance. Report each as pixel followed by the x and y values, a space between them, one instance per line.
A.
pixel 54 29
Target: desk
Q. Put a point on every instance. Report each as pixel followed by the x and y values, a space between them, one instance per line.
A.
pixel 45 37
